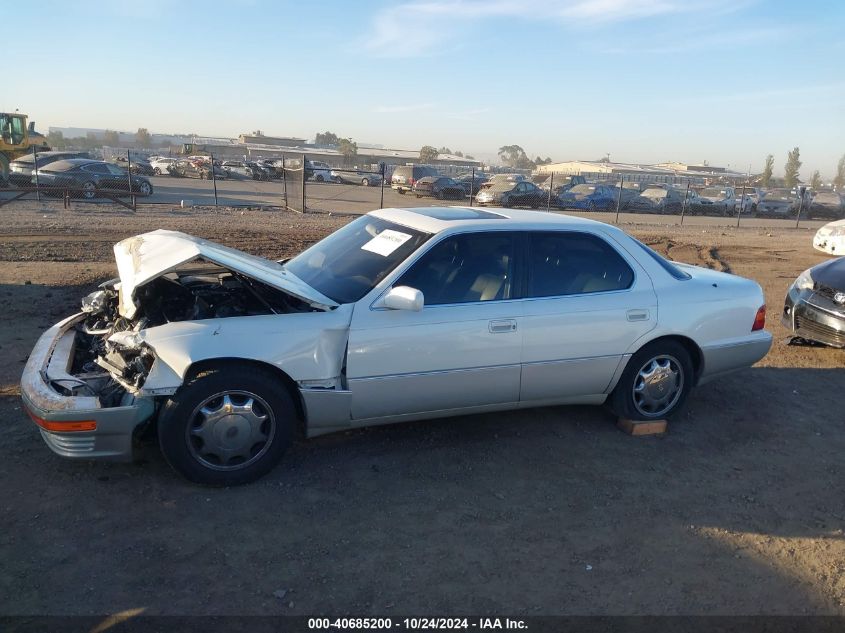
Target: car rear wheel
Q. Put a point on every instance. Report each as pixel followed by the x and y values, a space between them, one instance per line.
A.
pixel 365 182
pixel 157 171
pixel 227 426
pixel 319 178
pixel 506 201
pixel 655 383
pixel 89 190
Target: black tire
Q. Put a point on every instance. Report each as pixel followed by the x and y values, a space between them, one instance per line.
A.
pixel 338 180
pixel 439 195
pixel 365 182
pixel 505 201
pixel 622 401
pixel 157 171
pixel 401 191
pixel 181 412
pixel 145 189
pixel 319 178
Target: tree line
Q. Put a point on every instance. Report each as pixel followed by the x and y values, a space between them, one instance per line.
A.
pixel 791 171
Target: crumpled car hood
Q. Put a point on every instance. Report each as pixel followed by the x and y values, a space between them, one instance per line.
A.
pixel 144 257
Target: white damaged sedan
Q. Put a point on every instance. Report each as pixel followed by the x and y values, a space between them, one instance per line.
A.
pixel 402 314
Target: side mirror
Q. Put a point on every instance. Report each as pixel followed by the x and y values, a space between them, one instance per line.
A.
pixel 403 298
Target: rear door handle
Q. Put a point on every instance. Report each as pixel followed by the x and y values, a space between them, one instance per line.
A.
pixel 502 325
pixel 637 315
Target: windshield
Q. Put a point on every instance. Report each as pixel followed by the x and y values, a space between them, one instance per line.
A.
pixel 713 193
pixel 584 189
pixel 780 194
pixel 353 260
pixel 655 193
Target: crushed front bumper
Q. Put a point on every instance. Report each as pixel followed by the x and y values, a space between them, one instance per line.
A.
pixel 76 426
pixel 813 316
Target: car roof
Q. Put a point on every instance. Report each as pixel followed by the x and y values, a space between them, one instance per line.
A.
pixel 439 219
pixel 70 163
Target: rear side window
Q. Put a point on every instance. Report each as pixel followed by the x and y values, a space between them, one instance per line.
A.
pixel 570 263
pixel 668 266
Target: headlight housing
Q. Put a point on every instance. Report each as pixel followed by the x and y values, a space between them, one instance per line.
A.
pixel 804 281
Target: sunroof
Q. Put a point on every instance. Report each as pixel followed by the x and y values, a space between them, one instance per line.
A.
pixel 456 213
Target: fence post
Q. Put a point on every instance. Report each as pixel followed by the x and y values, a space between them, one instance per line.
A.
pixel 472 187
pixel 383 172
pixel 801 191
pixel 285 181
pixel 741 205
pixel 684 205
pixel 304 206
pixel 35 164
pixel 213 178
pixel 129 176
pixel 551 188
pixel 619 198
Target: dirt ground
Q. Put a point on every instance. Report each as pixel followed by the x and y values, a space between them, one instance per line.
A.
pixel 738 510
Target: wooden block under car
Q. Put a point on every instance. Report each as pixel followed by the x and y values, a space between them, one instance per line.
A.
pixel 639 427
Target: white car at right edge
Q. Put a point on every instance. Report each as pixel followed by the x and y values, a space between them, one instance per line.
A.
pixel 402 314
pixel 830 238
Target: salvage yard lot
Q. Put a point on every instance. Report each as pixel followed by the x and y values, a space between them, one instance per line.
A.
pixel 544 511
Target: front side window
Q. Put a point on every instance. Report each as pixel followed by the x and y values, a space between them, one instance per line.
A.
pixel 464 269
pixel 353 260
pixel 564 263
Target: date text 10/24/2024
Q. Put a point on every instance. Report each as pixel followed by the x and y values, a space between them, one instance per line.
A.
pixel 419 623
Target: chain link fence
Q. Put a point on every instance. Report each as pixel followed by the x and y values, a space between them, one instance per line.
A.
pixel 308 185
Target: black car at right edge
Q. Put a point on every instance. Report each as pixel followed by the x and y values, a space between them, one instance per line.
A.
pixel 814 308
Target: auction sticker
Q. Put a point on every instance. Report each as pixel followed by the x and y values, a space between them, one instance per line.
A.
pixel 386 242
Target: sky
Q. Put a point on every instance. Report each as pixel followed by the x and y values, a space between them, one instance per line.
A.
pixel 726 81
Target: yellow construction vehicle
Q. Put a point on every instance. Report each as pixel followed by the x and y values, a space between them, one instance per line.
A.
pixel 16 139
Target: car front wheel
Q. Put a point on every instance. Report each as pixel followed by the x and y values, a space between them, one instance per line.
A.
pixel 146 189
pixel 227 426
pixel 655 383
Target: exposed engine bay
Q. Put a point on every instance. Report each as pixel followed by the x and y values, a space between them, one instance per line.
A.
pixel 110 359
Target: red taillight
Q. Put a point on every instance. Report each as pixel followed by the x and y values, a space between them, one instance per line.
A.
pixel 760 319
pixel 411 181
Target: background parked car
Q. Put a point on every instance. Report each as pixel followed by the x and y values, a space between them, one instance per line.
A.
pixel 513 194
pixel 440 188
pixel 826 204
pixel 404 176
pixel 22 168
pixel 137 165
pixel 778 203
pixel 195 169
pixel 244 170
pixel 562 183
pixel 356 177
pixel 589 197
pixel 318 171
pixel 471 184
pixel 497 179
pixel 91 178
pixel 161 165
pixel 665 200
pixel 722 198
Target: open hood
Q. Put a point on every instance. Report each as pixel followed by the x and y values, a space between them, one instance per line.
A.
pixel 144 257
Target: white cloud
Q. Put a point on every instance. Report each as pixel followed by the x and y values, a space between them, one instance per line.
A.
pixel 419 28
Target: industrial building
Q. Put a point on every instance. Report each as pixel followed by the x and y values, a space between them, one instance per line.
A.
pixel 667 173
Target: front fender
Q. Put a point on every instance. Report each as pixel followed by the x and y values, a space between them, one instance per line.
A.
pixel 306 346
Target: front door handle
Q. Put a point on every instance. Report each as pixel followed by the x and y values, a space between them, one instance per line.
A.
pixel 637 315
pixel 502 325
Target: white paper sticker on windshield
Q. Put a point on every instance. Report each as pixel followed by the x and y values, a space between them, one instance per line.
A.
pixel 386 242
